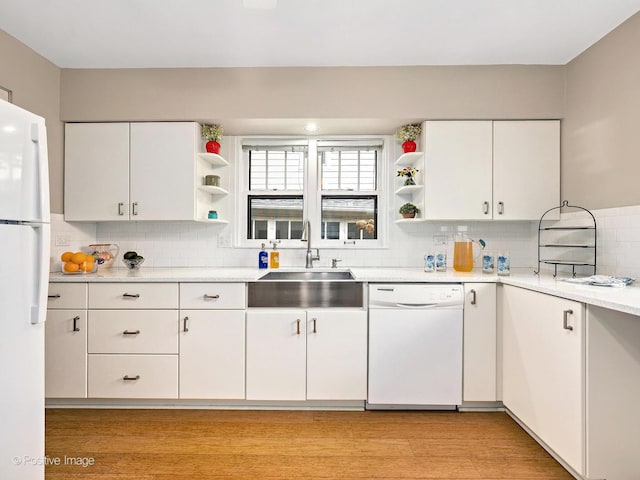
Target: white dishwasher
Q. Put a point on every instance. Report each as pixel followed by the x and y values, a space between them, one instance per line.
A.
pixel 415 346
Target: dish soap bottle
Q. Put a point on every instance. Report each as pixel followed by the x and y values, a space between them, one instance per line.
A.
pixel 263 258
pixel 274 257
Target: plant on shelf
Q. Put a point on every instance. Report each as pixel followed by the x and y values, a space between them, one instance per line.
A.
pixel 408 135
pixel 212 134
pixel 409 210
pixel 408 172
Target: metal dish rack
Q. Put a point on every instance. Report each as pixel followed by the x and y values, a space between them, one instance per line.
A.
pixel 588 242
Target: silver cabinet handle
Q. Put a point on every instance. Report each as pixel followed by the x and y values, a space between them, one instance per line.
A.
pixel 565 319
pixel 131 295
pixel 134 208
pixel 75 324
pixel 474 297
pixel 127 377
pixel 120 209
pixel 184 327
pixel 500 208
pixel 485 208
pixel 298 327
pixel 212 297
pixel 315 330
pixel 55 295
pixel 135 332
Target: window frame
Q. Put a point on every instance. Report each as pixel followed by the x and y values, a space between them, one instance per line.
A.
pixel 312 193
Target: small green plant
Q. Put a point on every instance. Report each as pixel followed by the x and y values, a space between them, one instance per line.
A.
pixel 408 208
pixel 212 133
pixel 409 132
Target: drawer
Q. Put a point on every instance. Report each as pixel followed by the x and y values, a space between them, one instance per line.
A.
pixel 133 331
pixel 203 296
pixel 150 376
pixel 67 295
pixel 133 295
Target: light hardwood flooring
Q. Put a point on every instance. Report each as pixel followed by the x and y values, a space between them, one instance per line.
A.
pixel 286 445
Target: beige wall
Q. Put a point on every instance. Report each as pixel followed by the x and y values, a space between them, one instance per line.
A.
pixel 35 83
pixel 342 93
pixel 601 132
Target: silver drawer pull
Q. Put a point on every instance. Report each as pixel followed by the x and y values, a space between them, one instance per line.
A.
pixel 127 332
pixel 75 324
pixel 474 297
pixel 127 377
pixel 56 295
pixel 212 297
pixel 131 295
pixel 185 329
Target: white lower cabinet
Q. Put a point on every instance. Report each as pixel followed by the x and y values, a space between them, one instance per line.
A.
pixel 479 350
pixel 306 355
pixel 212 354
pixel 544 369
pixel 66 341
pixel 133 376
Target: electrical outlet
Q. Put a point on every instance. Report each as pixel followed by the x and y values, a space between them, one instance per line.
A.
pixel 224 240
pixel 63 240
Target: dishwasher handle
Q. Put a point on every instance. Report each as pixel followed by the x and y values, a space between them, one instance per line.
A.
pixel 416 306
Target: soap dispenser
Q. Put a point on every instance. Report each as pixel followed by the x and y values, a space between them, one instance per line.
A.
pixel 274 257
pixel 263 257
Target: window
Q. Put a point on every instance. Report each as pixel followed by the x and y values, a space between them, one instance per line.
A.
pixel 333 183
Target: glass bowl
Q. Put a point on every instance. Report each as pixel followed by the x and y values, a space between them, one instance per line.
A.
pixel 133 263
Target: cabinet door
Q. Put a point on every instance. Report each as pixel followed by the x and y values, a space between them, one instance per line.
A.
pixel 96 173
pixel 276 350
pixel 479 364
pixel 543 377
pixel 336 355
pixel 66 354
pixel 163 171
pixel 457 176
pixel 212 354
pixel 526 168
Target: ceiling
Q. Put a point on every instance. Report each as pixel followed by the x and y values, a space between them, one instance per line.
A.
pixel 225 33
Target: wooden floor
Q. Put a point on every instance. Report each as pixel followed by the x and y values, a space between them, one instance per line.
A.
pixel 286 445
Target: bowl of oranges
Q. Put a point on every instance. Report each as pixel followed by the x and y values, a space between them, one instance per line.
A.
pixel 78 262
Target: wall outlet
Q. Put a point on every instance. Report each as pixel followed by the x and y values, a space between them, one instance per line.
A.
pixel 63 240
pixel 224 240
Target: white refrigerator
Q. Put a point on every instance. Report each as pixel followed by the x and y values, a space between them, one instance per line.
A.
pixel 24 271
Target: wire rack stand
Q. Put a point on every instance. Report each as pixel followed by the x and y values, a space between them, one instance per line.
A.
pixel 587 242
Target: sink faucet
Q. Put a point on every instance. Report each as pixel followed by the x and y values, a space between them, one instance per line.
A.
pixel 306 237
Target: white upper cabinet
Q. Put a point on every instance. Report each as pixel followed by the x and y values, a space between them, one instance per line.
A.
pixel 458 157
pixel 96 173
pixel 137 171
pixel 484 170
pixel 162 171
pixel 526 168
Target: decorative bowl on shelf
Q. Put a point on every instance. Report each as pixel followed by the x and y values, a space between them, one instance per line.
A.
pixel 133 263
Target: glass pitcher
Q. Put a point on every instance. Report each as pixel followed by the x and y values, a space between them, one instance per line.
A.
pixel 106 253
pixel 463 257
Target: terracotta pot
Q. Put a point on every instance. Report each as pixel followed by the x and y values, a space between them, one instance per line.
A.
pixel 409 146
pixel 212 146
pixel 409 215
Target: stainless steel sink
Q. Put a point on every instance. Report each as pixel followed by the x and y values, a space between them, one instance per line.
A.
pixel 306 289
pixel 308 276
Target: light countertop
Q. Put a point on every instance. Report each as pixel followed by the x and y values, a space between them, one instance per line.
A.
pixel 626 299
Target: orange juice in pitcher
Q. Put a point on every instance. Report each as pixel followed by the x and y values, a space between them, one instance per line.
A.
pixel 462 251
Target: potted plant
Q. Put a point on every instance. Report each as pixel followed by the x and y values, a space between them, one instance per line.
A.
pixel 409 210
pixel 408 172
pixel 212 134
pixel 408 135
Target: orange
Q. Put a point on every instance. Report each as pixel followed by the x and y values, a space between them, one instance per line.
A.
pixel 78 257
pixel 66 256
pixel 87 265
pixel 71 267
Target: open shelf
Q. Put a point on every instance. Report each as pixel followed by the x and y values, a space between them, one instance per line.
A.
pixel 213 220
pixel 409 189
pixel 408 158
pixel 213 190
pixel 214 159
pixel 410 220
